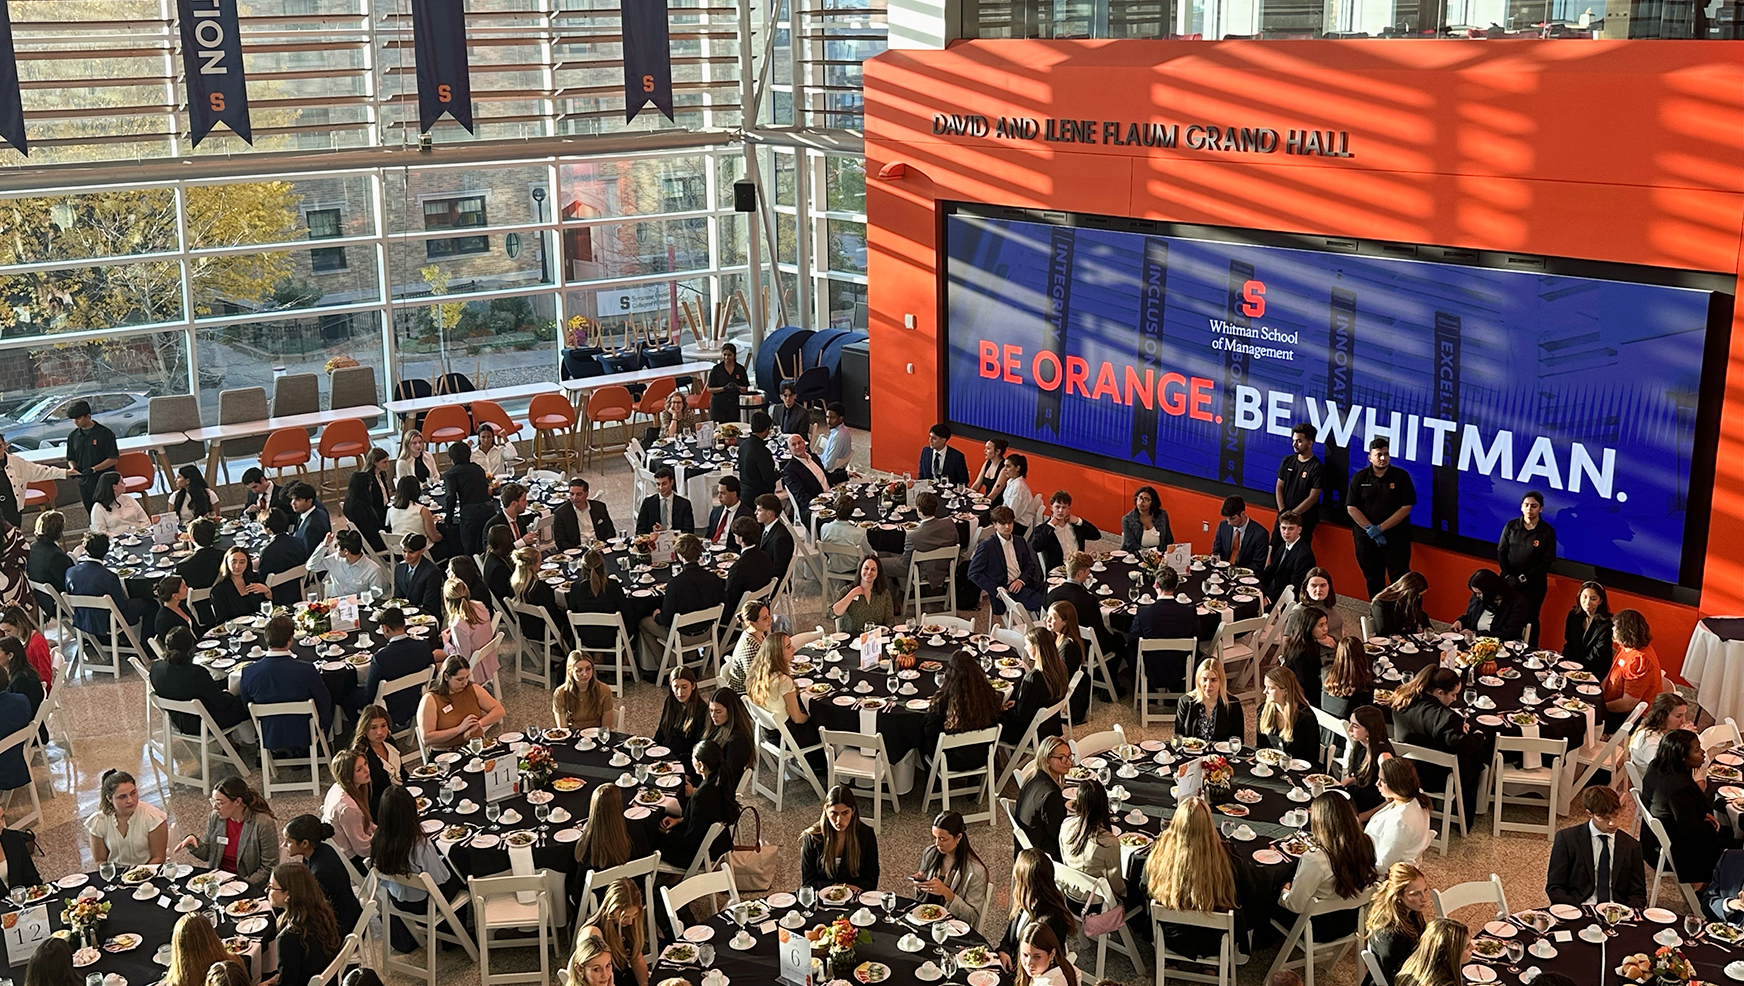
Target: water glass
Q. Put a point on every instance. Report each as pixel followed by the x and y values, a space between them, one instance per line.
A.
pixel 445 794
pixel 941 934
pixel 1692 926
pixel 107 869
pixel 1470 697
pixel 1516 951
pixel 807 897
pixel 542 812
pixel 605 736
pixel 94 979
pixel 706 955
pixel 889 902
pixel 492 812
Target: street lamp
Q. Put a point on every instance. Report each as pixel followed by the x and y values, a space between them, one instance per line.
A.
pixel 539 217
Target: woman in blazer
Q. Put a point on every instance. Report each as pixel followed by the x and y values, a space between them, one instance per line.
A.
pixel 1147 524
pixel 709 802
pixel 1681 803
pixel 1209 711
pixel 240 835
pixel 1586 633
pixel 839 848
pixel 951 873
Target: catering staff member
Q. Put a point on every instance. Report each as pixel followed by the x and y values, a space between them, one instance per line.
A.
pixel 1524 553
pixel 1299 487
pixel 91 450
pixel 1379 502
pixel 16 473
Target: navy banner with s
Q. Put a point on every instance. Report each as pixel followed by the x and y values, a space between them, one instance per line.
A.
pixel 212 60
pixel 444 79
pixel 647 57
pixel 11 103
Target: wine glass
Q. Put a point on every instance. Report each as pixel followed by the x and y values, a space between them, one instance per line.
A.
pixel 605 737
pixel 542 812
pixel 948 965
pixel 1611 915
pixel 807 897
pixel 107 869
pixel 741 914
pixel 941 934
pixel 889 902
pixel 1515 951
pixel 706 955
pixel 1471 698
pixel 445 794
pixel 492 812
pixel 1692 927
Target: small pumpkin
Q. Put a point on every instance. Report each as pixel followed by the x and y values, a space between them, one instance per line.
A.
pixel 1487 668
pixel 905 662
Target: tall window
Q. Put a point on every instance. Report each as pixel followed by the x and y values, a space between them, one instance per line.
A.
pixel 324 225
pixel 456 213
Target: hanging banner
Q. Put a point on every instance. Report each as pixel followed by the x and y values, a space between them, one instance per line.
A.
pixel 11 103
pixel 647 57
pixel 212 61
pixel 444 80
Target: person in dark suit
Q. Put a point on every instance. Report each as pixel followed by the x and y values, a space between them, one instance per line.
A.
pixel 1041 805
pixel 664 509
pixel 367 497
pixel 1495 609
pixel 21 870
pixel 711 801
pixel 418 580
pixel 1586 633
pixel 1062 533
pixel 581 517
pixel 179 679
pixel 468 502
pixel 312 522
pixel 594 591
pixel 264 495
pixel 1292 557
pixel 49 562
pixel 14 715
pixel 691 589
pixel 790 417
pixel 1423 716
pixel 1581 851
pixel 939 461
pixel 90 577
pixel 1674 796
pixel 279 677
pixel 1240 540
pixel 514 515
pixel 937 530
pixel 803 476
pixel 728 508
pixel 991 568
pixel 1165 619
pixel 400 656
pixel 201 569
pixel 282 554
pixel 757 473
pixel 1075 591
pixel 499 563
pixel 776 540
pixel 752 571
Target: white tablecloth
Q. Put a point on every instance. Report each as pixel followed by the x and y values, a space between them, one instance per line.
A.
pixel 1716 667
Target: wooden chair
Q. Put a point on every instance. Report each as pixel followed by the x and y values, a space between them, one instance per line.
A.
pixel 553 421
pixel 606 406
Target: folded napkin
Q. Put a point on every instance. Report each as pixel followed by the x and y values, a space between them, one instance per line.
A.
pixel 521 864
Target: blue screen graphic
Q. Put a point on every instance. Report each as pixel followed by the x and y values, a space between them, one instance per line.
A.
pixel 1197 356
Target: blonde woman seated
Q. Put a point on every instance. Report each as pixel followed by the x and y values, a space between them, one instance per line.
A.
pixel 348 804
pixel 583 701
pixel 1190 869
pixel 1209 711
pixel 869 603
pixel 469 628
pixel 455 710
pixel 1287 721
pixel 1443 951
pixel 618 923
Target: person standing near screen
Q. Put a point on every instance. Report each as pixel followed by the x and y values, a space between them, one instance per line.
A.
pixel 1524 552
pixel 1299 486
pixel 1379 502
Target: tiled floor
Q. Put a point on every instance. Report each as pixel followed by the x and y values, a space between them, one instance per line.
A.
pixel 104 719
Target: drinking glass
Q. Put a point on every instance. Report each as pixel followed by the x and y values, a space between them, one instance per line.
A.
pixel 1104 775
pixel 1471 698
pixel 475 746
pixel 94 979
pixel 445 794
pixel 1692 927
pixel 807 897
pixel 889 903
pixel 706 955
pixel 741 915
pixel 605 736
pixel 492 812
pixel 107 869
pixel 1133 593
pixel 948 965
pixel 18 894
pixel 941 934
pixel 542 812
pixel 1516 951
pixel 1235 746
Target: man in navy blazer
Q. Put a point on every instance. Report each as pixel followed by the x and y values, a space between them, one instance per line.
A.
pixel 1292 557
pixel 90 577
pixel 939 461
pixel 776 540
pixel 1241 540
pixel 312 522
pixel 665 504
pixel 991 569
pixel 1165 619
pixel 400 656
pixel 418 580
pixel 280 677
pixel 283 553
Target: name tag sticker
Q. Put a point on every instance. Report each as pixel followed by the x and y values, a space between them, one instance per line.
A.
pixel 447 708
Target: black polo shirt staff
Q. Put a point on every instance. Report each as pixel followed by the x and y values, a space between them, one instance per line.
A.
pixel 90 450
pixel 1379 502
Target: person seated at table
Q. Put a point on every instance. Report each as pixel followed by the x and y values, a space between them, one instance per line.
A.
pixel 580 518
pixel 595 591
pixel 454 710
pixel 1669 711
pixel 238 591
pixel 937 530
pixel 868 603
pixel 1369 746
pixel 1240 540
pixel 709 801
pixel 115 512
pixel 126 829
pixel 515 515
pixel 1339 865
pixel 664 509
pixel 1586 632
pixel 1581 852
pixel 17 622
pixel 312 524
pixel 728 508
pixel 966 702
pixel 590 964
pixel 466 501
pixel 1291 557
pixel 790 417
pixel 776 540
pixel 730 727
pixel 606 842
pixel 1286 719
pixel 1041 806
pixel 192 498
pixel 1208 711
pixel 843 529
pixel 770 685
pixel 1190 869
pixel 172 607
pixel 951 874
pixel 1035 899
pixel 465 568
pixel 1075 593
pixel 751 571
pixel 202 568
pixel 1026 511
pixel 988 479
pixel 1442 951
pixel 282 554
pixel 1166 618
pixel 804 477
pixel 528 588
pixel 1400 912
pixel 418 579
pixel 347 804
pixel 1146 525
pixel 1402 830
pixel 684 715
pixel 1349 681
pixel 1423 716
pixel 1061 533
pixel 400 655
pixel 468 631
pixel 674 421
pixel 240 837
pixel 1495 609
pixel 48 562
pixel 179 679
pixel 1042 686
pixel 1041 960
pixel 280 677
pixel 1308 647
pixel 1675 792
pixel 415 460
pixel 1006 561
pixel 349 570
pixel 839 848
pixel 1398 609
pixel 495 455
pixel 726 380
pixel 20 677
pixel 1061 619
pixel 373 737
pixel 264 495
pixel 757 472
pixel 499 563
pixel 407 516
pixel 583 701
pixel 941 463
pixel 52 965
pixel 836 444
pixel 1316 590
pixel 403 850
pixel 305 838
pixel 692 588
pixel 1634 675
pixel 194 949
pixel 367 495
pixel 90 577
pixel 619 923
pixel 1087 840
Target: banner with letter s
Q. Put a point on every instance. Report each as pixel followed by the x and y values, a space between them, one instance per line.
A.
pixel 647 57
pixel 444 78
pixel 11 102
pixel 212 62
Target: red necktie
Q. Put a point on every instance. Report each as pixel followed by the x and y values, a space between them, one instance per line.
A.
pixel 721 528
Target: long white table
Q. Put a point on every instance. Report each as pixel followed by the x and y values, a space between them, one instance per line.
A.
pixel 497 394
pixel 155 444
pixel 215 435
pixel 581 386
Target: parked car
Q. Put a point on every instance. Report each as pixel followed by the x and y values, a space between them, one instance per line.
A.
pixel 45 422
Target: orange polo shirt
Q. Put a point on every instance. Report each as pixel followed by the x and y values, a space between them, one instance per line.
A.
pixel 1633 672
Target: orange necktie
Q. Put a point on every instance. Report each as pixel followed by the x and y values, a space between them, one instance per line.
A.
pixel 1235 546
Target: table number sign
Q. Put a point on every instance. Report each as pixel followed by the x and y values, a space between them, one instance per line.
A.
pixel 662 551
pixel 705 435
pixel 1191 778
pixel 500 776
pixel 871 651
pixel 344 616
pixel 24 930
pixel 795 952
pixel 166 529
pixel 1179 557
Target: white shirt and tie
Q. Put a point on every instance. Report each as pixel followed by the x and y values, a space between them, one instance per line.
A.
pixel 938 465
pixel 1012 570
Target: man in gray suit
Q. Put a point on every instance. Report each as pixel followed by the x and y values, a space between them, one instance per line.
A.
pixel 937 531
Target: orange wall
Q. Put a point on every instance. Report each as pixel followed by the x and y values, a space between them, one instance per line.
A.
pixel 1607 150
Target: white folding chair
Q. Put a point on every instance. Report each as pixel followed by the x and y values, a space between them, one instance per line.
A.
pixel 1337 727
pixel 491 649
pixel 1547 777
pixel 544 652
pixel 1721 736
pixel 202 742
pixel 841 567
pixel 941 775
pixel 917 585
pixel 1301 934
pixel 1237 646
pixel 270 765
pixel 436 921
pixel 676 898
pixel 787 755
pixel 1219 921
pixel 499 903
pixel 1098 743
pixel 1088 887
pixel 950 622
pixel 122 638
pixel 1451 796
pixel 1009 807
pixel 61 616
pixel 417 681
pixel 1461 895
pixel 299 575
pixel 1603 758
pixel 861 757
pixel 341 959
pixel 704 859
pixel 1373 965
pixel 1017 616
pixel 1101 675
pixel 1142 697
pixel 18 741
pixel 1665 866
pixel 697 632
pixel 641 871
pixel 621 658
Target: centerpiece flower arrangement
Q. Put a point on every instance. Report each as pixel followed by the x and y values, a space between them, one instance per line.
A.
pixel 538 765
pixel 316 617
pixel 642 544
pixel 1671 965
pixel 83 915
pixel 728 434
pixel 896 492
pixel 902 649
pixel 1219 776
pixel 1481 656
pixel 842 939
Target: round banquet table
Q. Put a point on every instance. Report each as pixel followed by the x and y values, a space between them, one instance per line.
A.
pixel 1714 663
pixel 154 923
pixel 1586 961
pixel 141 564
pixel 341 655
pixel 760 963
pixel 692 465
pixel 1565 712
pixel 1220 593
pixel 887 523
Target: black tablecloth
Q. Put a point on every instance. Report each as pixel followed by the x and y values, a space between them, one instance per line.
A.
pixel 1205 582
pixel 887 522
pixel 682 454
pixel 1590 962
pixel 1725 627
pixel 1514 677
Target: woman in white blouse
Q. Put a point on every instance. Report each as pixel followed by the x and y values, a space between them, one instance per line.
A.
pixel 1401 830
pixel 1340 866
pixel 347 805
pixel 416 460
pixel 1017 492
pixel 407 516
pixel 1669 711
pixel 114 512
pixel 126 830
